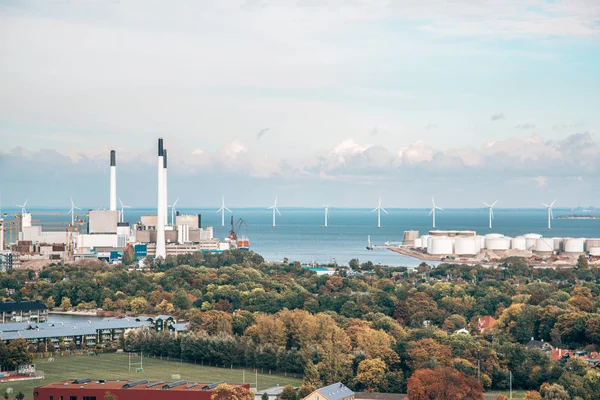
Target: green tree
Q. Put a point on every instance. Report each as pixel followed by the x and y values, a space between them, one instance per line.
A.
pixel 65 303
pixel 20 396
pixel 138 305
pixel 305 390
pixel 181 300
pixel 264 396
pixel 553 392
pixel 311 375
pixel 582 262
pixel 371 374
pixel 50 302
pixel 288 393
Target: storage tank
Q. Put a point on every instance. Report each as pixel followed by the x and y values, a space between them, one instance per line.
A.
pixel 493 236
pixel 594 251
pixel 501 243
pixel 440 245
pixel 519 243
pixel 418 243
pixel 425 241
pixel 557 244
pixel 530 240
pixel 544 245
pixel 480 242
pixel 572 245
pixel 589 243
pixel 468 246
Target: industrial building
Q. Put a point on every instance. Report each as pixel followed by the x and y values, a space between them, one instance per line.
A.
pixel 142 389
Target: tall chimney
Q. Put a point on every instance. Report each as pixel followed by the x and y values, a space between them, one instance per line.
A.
pixel 161 250
pixel 166 191
pixel 113 180
pixel 1 233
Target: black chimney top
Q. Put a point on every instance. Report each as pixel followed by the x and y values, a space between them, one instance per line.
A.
pixel 160 147
pixel 113 158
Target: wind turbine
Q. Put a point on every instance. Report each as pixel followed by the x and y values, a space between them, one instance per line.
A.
pixel 490 206
pixel 326 213
pixel 550 215
pixel 274 208
pixel 173 211
pixel 72 211
pixel 123 207
pixel 379 209
pixel 222 210
pixel 23 210
pixel 432 212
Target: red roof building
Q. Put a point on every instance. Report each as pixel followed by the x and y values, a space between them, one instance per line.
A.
pixel 485 323
pixel 87 389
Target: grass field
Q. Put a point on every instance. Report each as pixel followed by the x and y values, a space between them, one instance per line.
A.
pixel 517 394
pixel 116 367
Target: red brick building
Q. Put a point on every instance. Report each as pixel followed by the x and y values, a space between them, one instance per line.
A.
pixel 86 389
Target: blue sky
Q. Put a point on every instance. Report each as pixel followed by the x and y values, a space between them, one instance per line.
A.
pixel 407 98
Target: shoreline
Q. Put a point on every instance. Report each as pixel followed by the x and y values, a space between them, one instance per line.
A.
pixel 80 313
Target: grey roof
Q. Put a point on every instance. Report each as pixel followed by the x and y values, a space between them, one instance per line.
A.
pixel 272 391
pixel 379 396
pixel 49 333
pixel 337 391
pixel 164 317
pixel 9 306
pixel 181 327
pixel 15 326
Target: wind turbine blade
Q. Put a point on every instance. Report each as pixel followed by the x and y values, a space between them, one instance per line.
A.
pixel 375 209
pixel 433 201
pixel 431 212
pixel 551 204
pixel 120 202
pixel 551 214
pixel 268 208
pixel 175 202
pixel 77 208
pixel 545 205
pixel 494 203
pixel 440 208
pixel 24 204
pixel 486 204
pixel 492 212
pixel 219 210
pixel 276 209
pixel 383 209
pixel 227 209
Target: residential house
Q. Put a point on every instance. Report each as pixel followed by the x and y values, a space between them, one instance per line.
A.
pixel 337 391
pixel 486 323
pixel 23 311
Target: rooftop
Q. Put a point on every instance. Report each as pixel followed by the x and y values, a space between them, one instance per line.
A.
pixel 337 391
pixel 139 385
pixel 10 306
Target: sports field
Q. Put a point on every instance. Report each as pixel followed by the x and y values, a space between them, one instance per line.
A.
pixel 116 367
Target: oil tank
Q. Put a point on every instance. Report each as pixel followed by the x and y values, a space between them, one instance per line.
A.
pixel 501 243
pixel 425 241
pixel 594 251
pixel 572 245
pixel 467 246
pixel 440 245
pixel 530 240
pixel 558 242
pixel 544 245
pixel 480 242
pixel 589 243
pixel 418 243
pixel 519 243
pixel 493 236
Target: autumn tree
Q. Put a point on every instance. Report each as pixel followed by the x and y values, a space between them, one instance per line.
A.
pixel 304 390
pixel 502 397
pixel 138 305
pixel 532 395
pixel 311 375
pixel 553 392
pixel 230 392
pixel 371 375
pixel 443 384
pixel 65 303
pixel 288 393
pixel 128 255
pixel 427 353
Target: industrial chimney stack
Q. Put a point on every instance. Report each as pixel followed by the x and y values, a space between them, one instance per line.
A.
pixel 161 250
pixel 166 197
pixel 113 180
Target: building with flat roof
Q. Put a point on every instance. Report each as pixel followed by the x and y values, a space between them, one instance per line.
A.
pixel 23 311
pixel 88 389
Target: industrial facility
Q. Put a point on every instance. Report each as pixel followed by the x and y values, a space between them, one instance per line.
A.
pixel 468 246
pixel 103 233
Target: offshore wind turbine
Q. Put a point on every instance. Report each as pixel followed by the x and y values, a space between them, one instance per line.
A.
pixel 550 214
pixel 23 210
pixel 275 209
pixel 222 210
pixel 173 212
pixel 432 212
pixel 379 209
pixel 490 206
pixel 326 213
pixel 123 207
pixel 72 212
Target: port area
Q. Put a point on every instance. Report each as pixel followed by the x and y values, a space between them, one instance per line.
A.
pixel 487 257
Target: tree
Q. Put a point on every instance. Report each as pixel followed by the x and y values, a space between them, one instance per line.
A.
pixel 532 395
pixel 427 353
pixel 502 397
pixel 181 300
pixel 288 393
pixel 230 392
pixel 305 390
pixel 5 395
pixel 128 255
pixel 264 396
pixel 582 262
pixel 371 375
pixel 50 302
pixel 20 396
pixel 553 392
pixel 65 303
pixel 443 384
pixel 18 353
pixel 311 375
pixel 138 305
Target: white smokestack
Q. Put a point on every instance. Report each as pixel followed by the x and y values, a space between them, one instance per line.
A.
pixel 161 250
pixel 113 180
pixel 166 191
pixel 1 233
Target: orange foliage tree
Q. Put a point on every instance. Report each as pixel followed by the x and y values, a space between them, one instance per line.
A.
pixel 231 392
pixel 443 384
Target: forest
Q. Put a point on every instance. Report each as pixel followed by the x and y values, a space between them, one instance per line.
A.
pixel 375 328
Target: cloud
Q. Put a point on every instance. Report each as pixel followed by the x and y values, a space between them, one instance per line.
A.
pixel 525 125
pixel 261 133
pixel 563 126
pixel 497 117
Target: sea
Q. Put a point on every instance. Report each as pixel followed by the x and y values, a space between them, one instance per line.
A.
pixel 300 234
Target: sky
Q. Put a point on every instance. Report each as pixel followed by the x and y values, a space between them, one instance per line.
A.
pixel 314 101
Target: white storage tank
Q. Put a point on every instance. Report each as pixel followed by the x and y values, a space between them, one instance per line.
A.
pixel 589 243
pixel 439 245
pixel 595 251
pixel 531 239
pixel 480 242
pixel 519 243
pixel 467 246
pixel 501 243
pixel 574 245
pixel 557 243
pixel 493 236
pixel 425 241
pixel 544 245
pixel 418 243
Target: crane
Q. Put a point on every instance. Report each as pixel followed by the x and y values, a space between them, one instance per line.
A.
pixel 235 228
